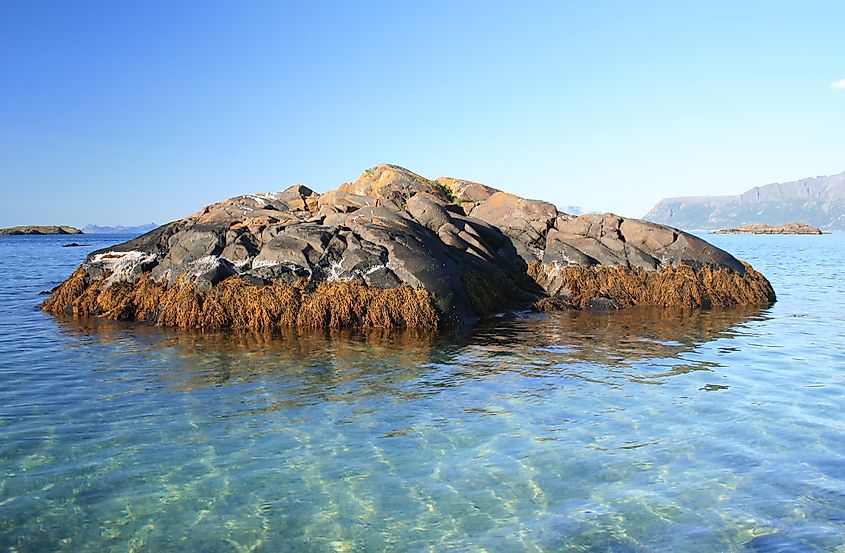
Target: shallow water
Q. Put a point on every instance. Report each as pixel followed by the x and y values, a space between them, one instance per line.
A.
pixel 643 430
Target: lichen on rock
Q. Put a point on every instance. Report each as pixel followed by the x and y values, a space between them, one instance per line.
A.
pixel 396 250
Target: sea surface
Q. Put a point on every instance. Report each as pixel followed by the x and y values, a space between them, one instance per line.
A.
pixel 633 431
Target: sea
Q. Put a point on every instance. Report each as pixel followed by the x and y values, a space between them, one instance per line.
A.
pixel 631 431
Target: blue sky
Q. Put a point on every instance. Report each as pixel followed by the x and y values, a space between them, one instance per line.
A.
pixel 126 113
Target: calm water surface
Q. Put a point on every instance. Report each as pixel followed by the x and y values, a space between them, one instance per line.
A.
pixel 644 430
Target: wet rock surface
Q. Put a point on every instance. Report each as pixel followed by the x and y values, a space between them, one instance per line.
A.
pixel 461 248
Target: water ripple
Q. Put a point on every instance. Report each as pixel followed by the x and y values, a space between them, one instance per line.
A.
pixel 643 430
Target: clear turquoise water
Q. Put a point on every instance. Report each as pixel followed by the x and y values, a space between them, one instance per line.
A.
pixel 635 431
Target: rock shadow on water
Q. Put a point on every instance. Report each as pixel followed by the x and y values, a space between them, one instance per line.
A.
pixel 308 365
pixel 617 340
pixel 305 365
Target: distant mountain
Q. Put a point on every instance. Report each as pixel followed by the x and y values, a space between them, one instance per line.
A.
pixel 120 229
pixel 572 209
pixel 816 201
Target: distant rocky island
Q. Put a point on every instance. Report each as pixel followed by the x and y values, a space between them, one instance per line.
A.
pixel 394 249
pixel 38 229
pixel 819 202
pixel 88 229
pixel 119 229
pixel 792 228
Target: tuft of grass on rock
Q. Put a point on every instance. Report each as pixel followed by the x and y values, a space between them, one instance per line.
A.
pixel 445 192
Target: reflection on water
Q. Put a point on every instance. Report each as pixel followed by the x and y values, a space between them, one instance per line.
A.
pixel 316 363
pixel 325 361
pixel 639 430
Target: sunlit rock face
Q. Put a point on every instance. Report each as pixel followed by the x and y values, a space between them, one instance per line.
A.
pixel 394 249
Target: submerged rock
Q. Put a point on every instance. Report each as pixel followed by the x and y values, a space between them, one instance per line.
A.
pixel 394 249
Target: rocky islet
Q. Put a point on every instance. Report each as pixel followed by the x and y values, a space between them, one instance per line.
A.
pixel 38 230
pixel 791 228
pixel 394 249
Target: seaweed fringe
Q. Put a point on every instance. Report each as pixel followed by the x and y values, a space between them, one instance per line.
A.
pixel 239 305
pixel 574 287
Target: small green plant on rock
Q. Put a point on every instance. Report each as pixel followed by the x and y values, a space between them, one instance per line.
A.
pixel 446 192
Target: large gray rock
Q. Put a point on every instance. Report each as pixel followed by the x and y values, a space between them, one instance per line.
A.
pixel 608 239
pixel 525 222
pixel 476 249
